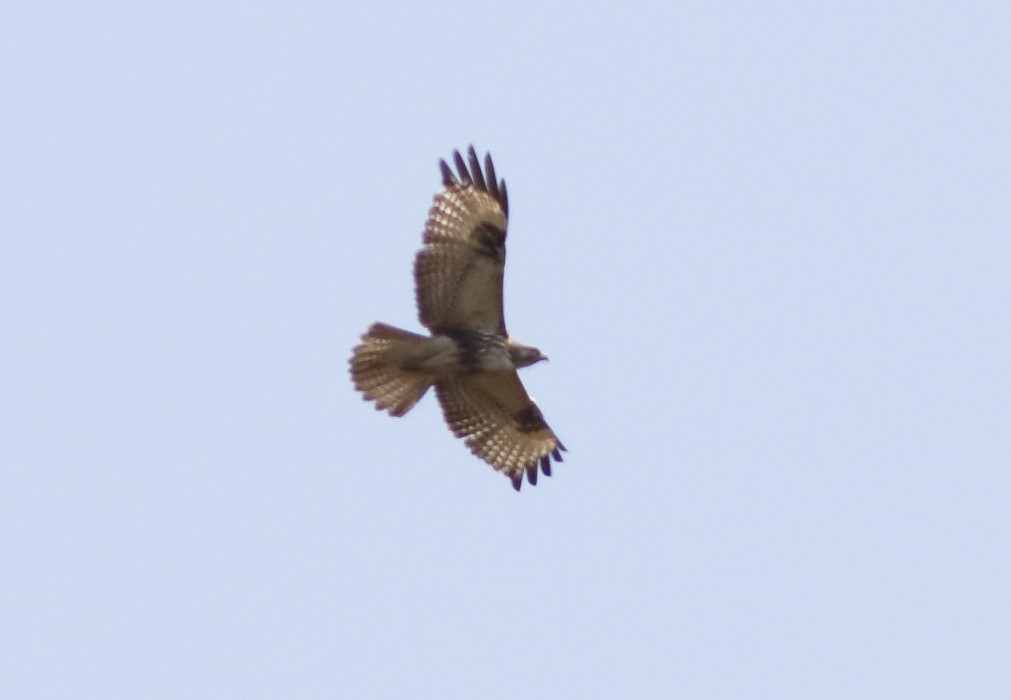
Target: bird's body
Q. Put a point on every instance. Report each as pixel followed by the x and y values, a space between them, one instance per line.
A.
pixel 468 357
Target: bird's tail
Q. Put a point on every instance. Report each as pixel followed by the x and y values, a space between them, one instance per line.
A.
pixel 377 368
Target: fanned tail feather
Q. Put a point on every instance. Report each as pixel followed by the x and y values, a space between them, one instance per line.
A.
pixel 376 368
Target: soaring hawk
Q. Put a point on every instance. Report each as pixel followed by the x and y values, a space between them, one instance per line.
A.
pixel 469 357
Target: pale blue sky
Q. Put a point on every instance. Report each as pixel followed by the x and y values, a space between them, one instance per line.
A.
pixel 768 249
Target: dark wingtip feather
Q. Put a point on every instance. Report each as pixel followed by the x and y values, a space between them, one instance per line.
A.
pixel 490 176
pixel 543 462
pixel 475 169
pixel 448 178
pixel 471 173
pixel 461 167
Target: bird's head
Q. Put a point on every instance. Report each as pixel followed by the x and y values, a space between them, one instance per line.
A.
pixel 524 355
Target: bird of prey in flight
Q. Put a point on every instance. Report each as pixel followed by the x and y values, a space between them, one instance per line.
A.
pixel 469 356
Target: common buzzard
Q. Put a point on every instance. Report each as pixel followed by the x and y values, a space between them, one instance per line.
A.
pixel 469 357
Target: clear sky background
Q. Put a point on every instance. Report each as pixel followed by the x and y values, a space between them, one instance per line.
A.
pixel 767 248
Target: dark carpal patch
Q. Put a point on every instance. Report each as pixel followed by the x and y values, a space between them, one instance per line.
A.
pixel 490 241
pixel 530 419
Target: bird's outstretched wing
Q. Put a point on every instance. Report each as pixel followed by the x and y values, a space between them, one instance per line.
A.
pixel 499 423
pixel 458 274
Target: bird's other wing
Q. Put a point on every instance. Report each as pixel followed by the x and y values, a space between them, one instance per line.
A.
pixel 494 415
pixel 458 274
